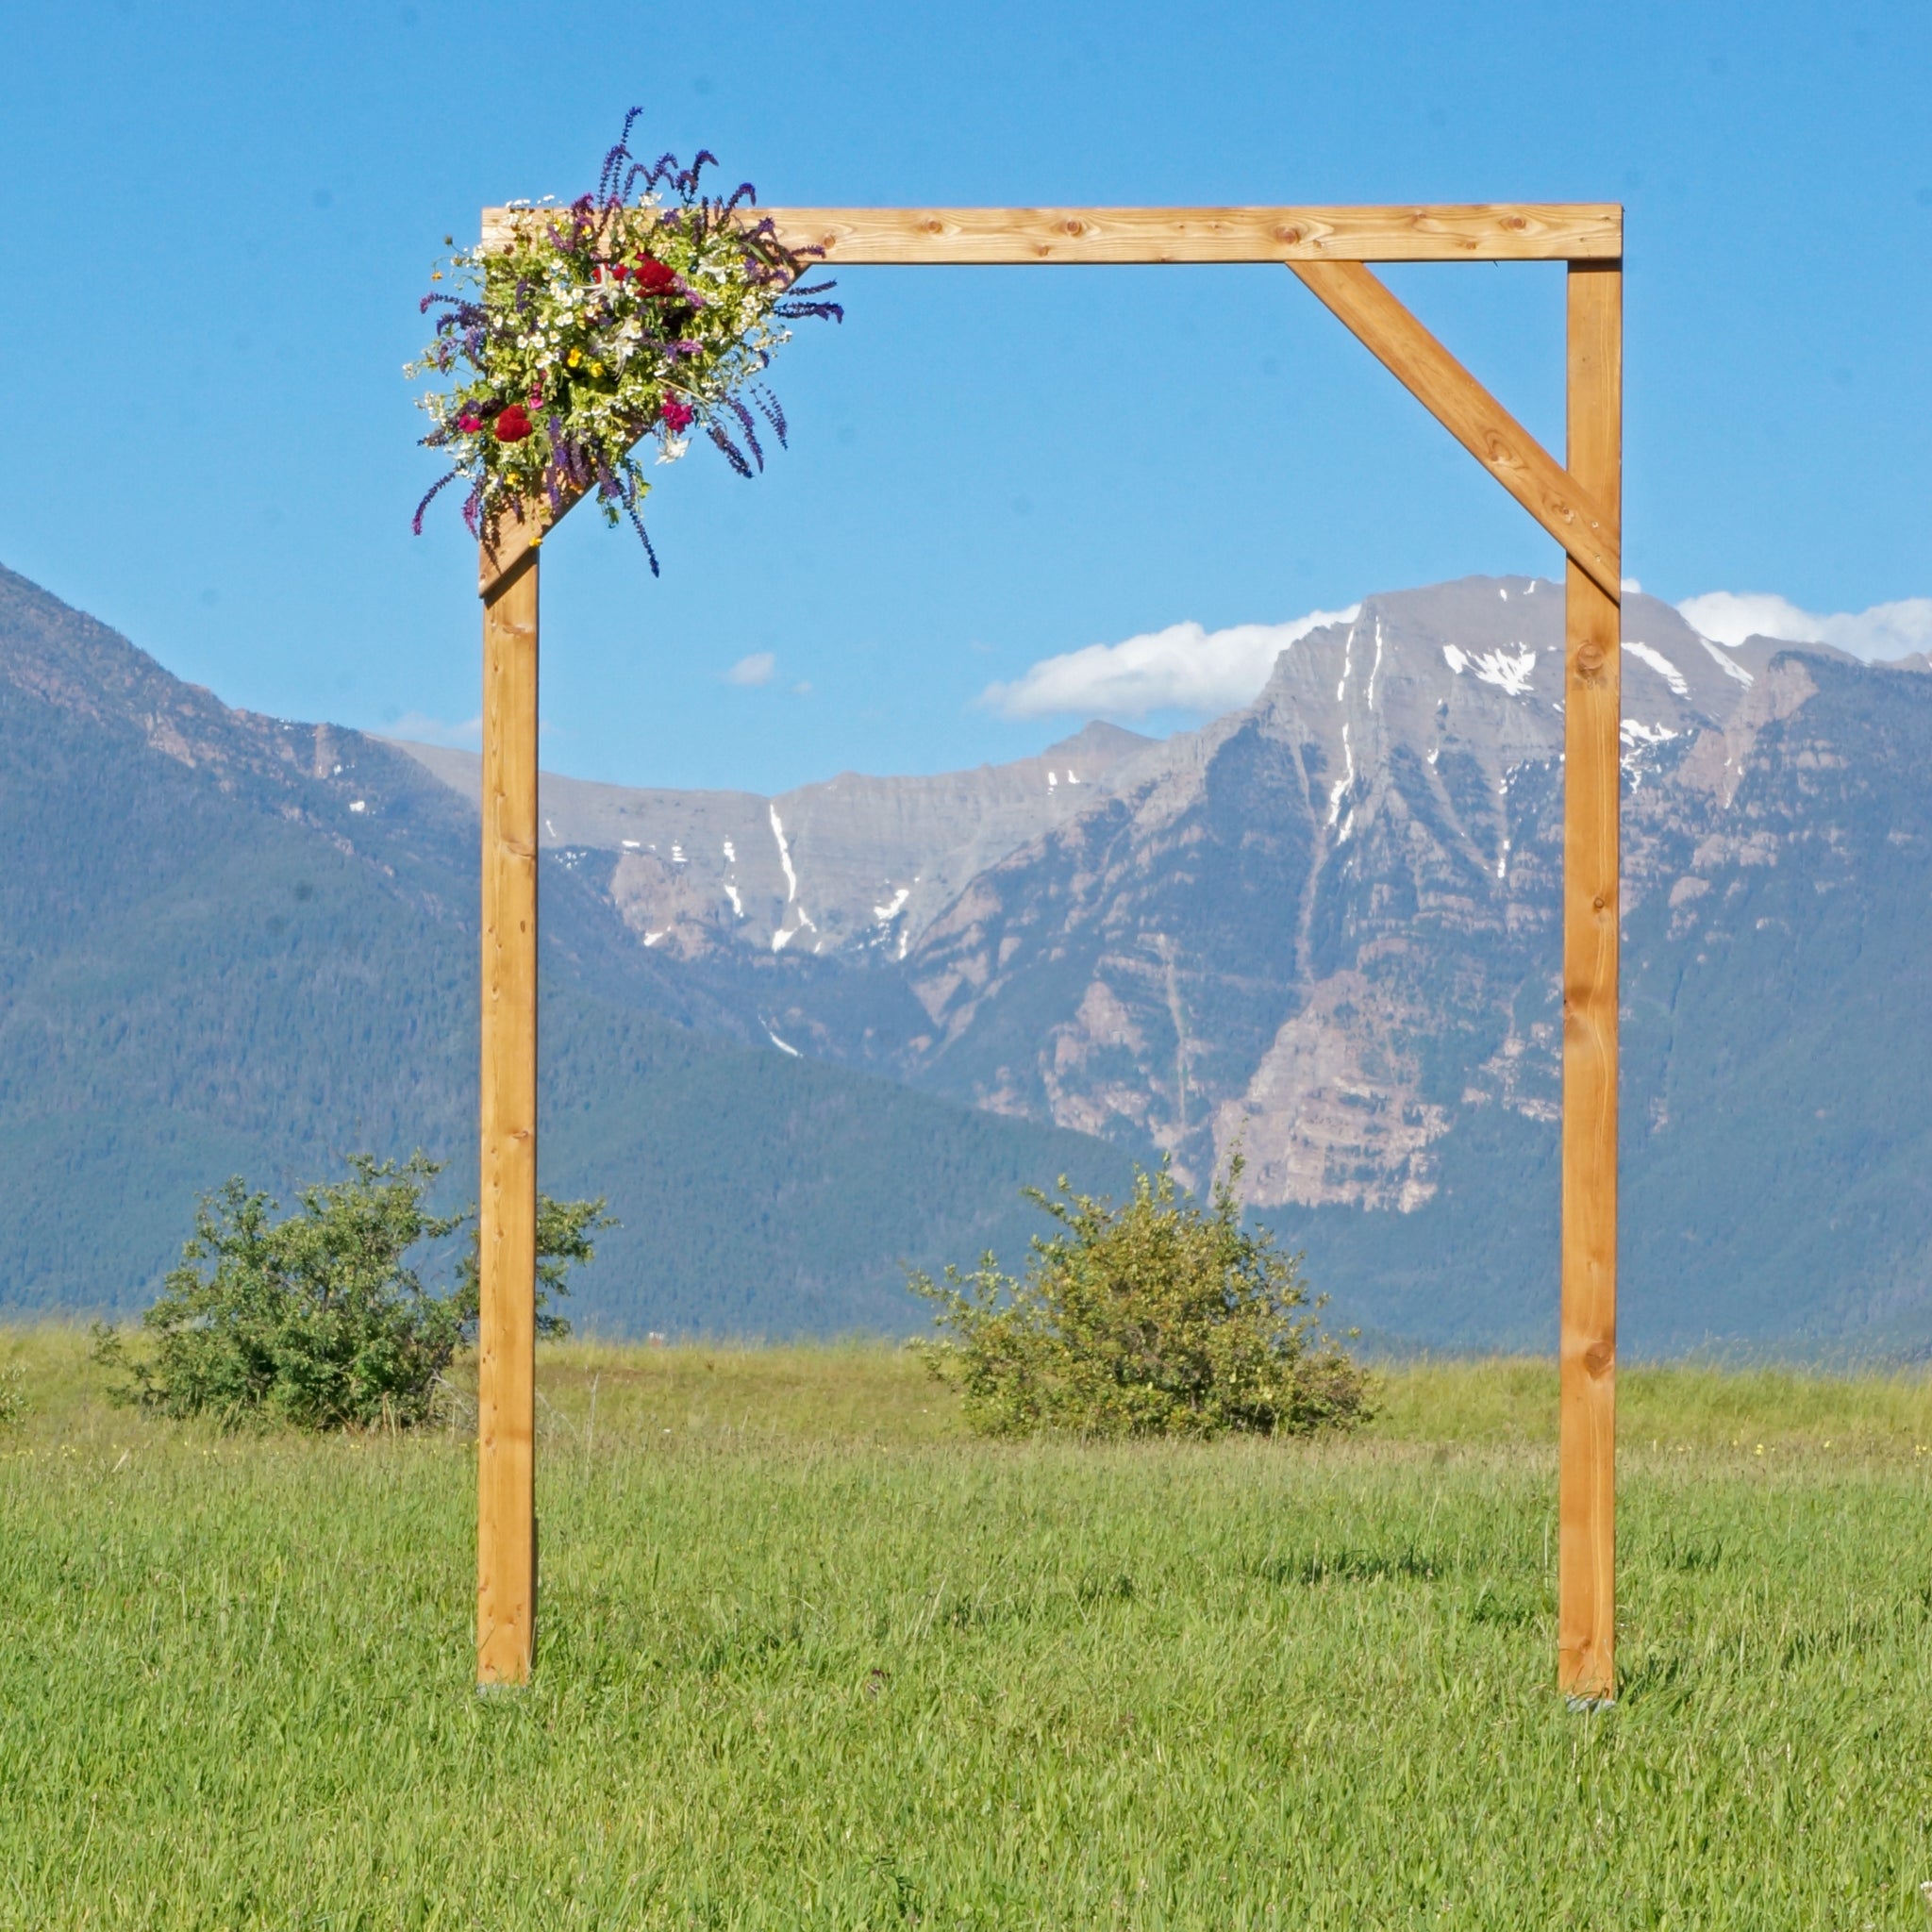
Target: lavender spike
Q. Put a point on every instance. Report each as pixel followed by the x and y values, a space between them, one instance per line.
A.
pixel 429 496
pixel 732 454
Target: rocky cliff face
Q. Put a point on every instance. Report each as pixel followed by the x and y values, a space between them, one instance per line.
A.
pixel 1272 932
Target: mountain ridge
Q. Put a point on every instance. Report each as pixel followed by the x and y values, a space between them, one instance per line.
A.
pixel 230 943
pixel 1324 928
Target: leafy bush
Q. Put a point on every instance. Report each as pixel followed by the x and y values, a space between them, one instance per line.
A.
pixel 317 1319
pixel 1151 1318
pixel 563 1240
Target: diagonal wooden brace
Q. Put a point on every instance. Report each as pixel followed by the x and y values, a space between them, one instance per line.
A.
pixel 1585 527
pixel 517 541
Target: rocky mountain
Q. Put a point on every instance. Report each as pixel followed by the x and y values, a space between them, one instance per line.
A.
pixel 1324 929
pixel 1252 941
pixel 854 865
pixel 232 943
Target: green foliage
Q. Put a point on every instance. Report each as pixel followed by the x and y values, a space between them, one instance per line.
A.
pixel 1151 1318
pixel 563 1240
pixel 318 1319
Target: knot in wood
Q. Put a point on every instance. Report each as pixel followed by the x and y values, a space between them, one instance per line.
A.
pixel 1589 659
pixel 1598 1357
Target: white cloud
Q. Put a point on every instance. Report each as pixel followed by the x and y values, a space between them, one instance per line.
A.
pixel 421 729
pixel 1885 630
pixel 1182 668
pixel 760 668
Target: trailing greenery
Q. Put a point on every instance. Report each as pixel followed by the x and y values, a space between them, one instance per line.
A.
pixel 318 1319
pixel 1151 1318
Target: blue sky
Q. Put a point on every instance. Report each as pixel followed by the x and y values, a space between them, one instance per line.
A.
pixel 220 219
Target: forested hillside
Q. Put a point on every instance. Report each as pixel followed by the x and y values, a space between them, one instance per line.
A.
pixel 232 944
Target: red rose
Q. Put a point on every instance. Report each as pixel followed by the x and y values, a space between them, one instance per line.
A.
pixel 619 271
pixel 654 276
pixel 513 425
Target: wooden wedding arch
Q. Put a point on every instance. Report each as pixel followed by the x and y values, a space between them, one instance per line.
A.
pixel 1578 502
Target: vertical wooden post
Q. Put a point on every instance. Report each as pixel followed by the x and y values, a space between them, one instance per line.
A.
pixel 1587 1543
pixel 507 1379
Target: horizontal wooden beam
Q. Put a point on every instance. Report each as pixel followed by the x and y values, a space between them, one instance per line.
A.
pixel 1526 231
pixel 1326 246
pixel 1586 528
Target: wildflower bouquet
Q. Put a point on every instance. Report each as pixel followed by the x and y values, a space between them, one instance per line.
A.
pixel 601 324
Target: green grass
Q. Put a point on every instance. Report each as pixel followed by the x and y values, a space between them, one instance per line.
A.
pixel 811 1656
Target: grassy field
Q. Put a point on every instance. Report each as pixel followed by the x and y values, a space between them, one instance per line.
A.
pixel 812 1657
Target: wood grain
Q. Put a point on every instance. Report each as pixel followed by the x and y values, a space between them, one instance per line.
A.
pixel 514 550
pixel 518 540
pixel 1562 503
pixel 1587 1476
pixel 506 1370
pixel 1529 231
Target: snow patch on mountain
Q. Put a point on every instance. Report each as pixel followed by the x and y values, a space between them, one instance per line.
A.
pixel 783 856
pixel 1660 664
pixel 1508 670
pixel 1730 667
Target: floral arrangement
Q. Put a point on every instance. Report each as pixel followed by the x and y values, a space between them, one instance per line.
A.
pixel 648 308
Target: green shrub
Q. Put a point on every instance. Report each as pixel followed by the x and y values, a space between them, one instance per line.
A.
pixel 563 1240
pixel 1151 1318
pixel 317 1319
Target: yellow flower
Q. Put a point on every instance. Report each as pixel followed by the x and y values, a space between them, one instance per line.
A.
pixel 575 356
pixel 597 369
